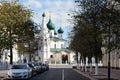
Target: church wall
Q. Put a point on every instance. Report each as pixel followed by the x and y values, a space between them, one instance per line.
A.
pixel 57 43
pixel 57 57
pixel 71 57
pixel 52 33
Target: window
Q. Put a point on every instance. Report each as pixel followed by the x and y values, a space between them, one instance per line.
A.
pixel 51 56
pixel 61 35
pixel 45 39
pixel 61 45
pixel 50 34
pixel 55 46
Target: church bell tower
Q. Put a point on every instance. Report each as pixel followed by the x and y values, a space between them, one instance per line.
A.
pixel 44 41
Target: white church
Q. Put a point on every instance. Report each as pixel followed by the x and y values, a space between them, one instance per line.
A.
pixel 52 47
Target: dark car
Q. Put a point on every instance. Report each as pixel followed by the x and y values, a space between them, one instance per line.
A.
pixel 47 66
pixel 34 72
pixel 37 66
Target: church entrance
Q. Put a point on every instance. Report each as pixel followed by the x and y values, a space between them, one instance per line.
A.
pixel 64 58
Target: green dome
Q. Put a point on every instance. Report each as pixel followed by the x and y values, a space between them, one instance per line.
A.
pixel 43 15
pixel 60 30
pixel 50 25
pixel 55 33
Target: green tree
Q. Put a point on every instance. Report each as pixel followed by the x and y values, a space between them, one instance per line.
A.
pixel 87 19
pixel 13 16
pixel 103 18
pixel 111 27
pixel 28 40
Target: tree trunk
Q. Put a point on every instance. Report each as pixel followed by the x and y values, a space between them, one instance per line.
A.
pixel 85 68
pixel 96 65
pixel 90 67
pixel 11 54
pixel 77 57
pixel 90 64
pixel 82 65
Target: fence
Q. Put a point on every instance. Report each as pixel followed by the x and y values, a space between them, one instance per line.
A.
pixel 4 65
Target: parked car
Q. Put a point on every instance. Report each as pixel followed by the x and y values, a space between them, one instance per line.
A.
pixel 74 64
pixel 34 71
pixel 43 67
pixel 20 71
pixel 47 66
pixel 37 66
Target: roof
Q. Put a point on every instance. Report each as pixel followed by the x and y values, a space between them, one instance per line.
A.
pixel 43 15
pixel 57 39
pixel 60 50
pixel 60 30
pixel 50 25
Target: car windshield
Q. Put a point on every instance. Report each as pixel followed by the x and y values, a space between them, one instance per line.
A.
pixel 19 67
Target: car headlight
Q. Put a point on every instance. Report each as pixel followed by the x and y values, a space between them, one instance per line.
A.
pixel 9 73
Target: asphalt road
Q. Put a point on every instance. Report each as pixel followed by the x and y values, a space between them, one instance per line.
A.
pixel 60 74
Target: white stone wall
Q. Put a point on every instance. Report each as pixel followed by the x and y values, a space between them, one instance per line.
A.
pixel 114 59
pixel 71 57
pixel 58 44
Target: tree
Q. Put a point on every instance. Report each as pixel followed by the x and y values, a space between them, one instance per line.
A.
pixel 29 37
pixel 87 19
pixel 103 18
pixel 111 27
pixel 13 16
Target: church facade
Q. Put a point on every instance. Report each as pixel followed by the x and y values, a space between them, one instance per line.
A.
pixel 52 47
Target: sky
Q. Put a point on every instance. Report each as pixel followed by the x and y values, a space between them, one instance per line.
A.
pixel 57 9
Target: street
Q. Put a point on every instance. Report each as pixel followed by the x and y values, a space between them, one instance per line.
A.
pixel 60 74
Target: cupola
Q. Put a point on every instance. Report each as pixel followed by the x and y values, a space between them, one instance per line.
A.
pixel 50 25
pixel 60 30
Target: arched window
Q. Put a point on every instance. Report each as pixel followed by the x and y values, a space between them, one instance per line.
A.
pixel 51 56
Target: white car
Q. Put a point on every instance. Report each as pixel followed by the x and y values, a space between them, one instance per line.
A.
pixel 74 64
pixel 20 71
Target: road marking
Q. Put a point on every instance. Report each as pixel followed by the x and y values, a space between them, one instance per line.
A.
pixel 63 74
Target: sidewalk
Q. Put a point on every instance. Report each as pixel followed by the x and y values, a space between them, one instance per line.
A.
pixel 115 74
pixel 3 74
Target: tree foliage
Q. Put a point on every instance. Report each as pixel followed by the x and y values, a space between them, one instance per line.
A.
pixel 86 24
pixel 16 25
pixel 92 20
pixel 111 25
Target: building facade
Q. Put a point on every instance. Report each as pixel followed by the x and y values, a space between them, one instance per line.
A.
pixel 114 58
pixel 52 47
